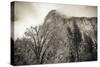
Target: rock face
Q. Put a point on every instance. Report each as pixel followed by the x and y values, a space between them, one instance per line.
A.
pixel 72 39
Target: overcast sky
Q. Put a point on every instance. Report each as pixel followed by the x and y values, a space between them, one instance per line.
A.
pixel 33 14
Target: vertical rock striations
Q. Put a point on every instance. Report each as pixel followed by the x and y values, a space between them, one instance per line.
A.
pixel 72 38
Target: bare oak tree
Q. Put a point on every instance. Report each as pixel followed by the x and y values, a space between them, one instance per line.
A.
pixel 39 38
